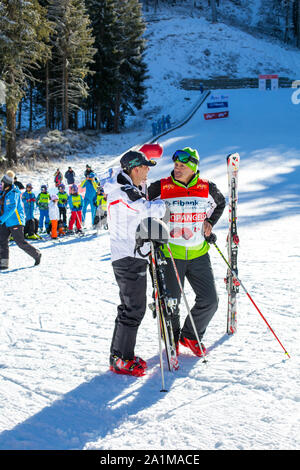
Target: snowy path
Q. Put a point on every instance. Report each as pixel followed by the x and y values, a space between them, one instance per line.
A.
pixel 57 319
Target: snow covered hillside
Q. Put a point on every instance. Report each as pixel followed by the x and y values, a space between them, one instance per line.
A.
pixel 56 391
pixel 57 319
pixel 184 46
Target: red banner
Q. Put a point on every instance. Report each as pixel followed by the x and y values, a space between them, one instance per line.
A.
pixel 266 77
pixel 219 115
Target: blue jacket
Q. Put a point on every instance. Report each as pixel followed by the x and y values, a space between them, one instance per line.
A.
pixel 75 202
pixel 29 201
pixel 91 186
pixel 13 208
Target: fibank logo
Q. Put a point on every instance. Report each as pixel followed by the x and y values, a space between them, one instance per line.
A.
pixel 185 203
pixel 296 94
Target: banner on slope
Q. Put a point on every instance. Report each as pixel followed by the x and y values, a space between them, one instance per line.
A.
pixel 219 115
pixel 217 107
pixel 268 82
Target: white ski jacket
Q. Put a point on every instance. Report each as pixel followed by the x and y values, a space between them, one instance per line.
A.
pixel 53 211
pixel 126 207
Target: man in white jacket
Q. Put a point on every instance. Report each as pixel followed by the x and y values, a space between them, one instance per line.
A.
pixel 126 207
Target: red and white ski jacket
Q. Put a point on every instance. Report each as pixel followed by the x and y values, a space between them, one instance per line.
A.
pixel 126 207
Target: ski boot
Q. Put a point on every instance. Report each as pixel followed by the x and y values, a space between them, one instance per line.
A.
pixel 193 345
pixel 128 367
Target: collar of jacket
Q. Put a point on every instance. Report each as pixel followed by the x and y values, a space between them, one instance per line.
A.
pixel 123 178
pixel 191 183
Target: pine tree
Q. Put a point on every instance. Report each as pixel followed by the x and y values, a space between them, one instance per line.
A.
pixel 72 53
pixel 24 30
pixel 129 90
pixel 106 31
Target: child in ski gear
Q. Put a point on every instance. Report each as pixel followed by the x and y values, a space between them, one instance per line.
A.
pixel 43 204
pixel 127 206
pixel 31 225
pixel 12 220
pixel 90 184
pixel 195 207
pixel 75 201
pixel 58 177
pixel 53 215
pixel 62 203
pixel 100 203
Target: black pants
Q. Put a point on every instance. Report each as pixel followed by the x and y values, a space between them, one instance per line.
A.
pixel 131 276
pixel 31 227
pixel 199 273
pixel 63 215
pixel 17 232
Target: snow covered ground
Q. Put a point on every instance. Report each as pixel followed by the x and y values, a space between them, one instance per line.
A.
pixel 57 319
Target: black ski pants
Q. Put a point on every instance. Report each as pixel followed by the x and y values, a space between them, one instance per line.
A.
pixel 63 215
pixel 31 227
pixel 199 273
pixel 131 276
pixel 17 232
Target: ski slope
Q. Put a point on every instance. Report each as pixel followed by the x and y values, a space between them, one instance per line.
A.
pixel 57 319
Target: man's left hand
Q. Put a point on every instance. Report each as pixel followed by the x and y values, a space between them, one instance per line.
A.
pixel 207 228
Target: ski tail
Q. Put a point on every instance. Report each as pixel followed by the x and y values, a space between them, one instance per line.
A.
pixel 163 307
pixel 233 162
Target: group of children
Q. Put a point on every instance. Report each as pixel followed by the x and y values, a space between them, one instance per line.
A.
pixel 53 211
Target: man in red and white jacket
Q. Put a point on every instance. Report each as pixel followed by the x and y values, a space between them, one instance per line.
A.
pixel 126 208
pixel 195 206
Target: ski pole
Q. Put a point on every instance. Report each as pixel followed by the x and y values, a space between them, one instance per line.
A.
pixel 186 302
pixel 163 389
pixel 213 242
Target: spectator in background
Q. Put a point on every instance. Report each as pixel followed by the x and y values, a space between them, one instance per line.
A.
pixel 58 177
pixel 70 176
pixel 18 184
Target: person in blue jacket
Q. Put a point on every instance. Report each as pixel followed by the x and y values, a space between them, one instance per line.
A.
pixel 42 202
pixel 90 184
pixel 32 224
pixel 12 220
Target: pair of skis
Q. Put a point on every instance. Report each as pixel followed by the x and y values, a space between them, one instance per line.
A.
pixel 164 307
pixel 232 280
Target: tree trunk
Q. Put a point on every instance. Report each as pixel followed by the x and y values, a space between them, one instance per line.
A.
pixel 30 108
pixel 11 146
pixel 298 24
pixel 213 11
pixel 63 94
pixel 287 22
pixel 117 113
pixel 98 116
pixel 66 113
pixel 20 115
pixel 47 95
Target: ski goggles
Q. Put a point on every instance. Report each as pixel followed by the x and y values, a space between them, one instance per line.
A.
pixel 184 157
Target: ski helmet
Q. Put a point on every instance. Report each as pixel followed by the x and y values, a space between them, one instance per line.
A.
pixel 189 157
pixel 74 187
pixel 61 186
pixel 152 229
pixel 44 187
pixel 29 185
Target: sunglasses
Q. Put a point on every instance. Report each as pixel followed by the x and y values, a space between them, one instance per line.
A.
pixel 184 157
